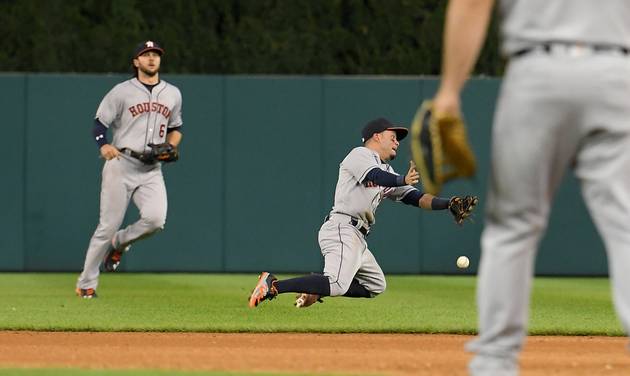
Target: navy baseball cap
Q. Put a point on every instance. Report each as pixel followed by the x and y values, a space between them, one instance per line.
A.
pixel 380 125
pixel 147 46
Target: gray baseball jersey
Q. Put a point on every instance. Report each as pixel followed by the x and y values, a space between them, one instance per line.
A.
pixel 352 196
pixel 567 105
pixel 530 22
pixel 136 117
pixel 341 240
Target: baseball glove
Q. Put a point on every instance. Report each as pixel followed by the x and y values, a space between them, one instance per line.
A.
pixel 438 141
pixel 306 300
pixel 163 152
pixel 461 208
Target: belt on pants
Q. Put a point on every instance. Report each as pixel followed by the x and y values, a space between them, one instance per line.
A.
pixel 572 48
pixel 134 154
pixel 356 223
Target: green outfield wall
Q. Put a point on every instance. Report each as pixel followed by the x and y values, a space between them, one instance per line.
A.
pixel 257 174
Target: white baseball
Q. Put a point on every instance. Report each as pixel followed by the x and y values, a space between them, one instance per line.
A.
pixel 463 262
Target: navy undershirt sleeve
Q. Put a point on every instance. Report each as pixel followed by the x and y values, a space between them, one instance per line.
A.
pixel 384 178
pixel 413 198
pixel 100 133
pixel 179 129
pixel 439 203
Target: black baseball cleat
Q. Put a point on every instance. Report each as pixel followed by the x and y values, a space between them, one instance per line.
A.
pixel 113 256
pixel 265 289
pixel 86 293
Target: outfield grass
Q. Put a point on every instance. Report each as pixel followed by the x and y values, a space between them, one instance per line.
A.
pixel 218 303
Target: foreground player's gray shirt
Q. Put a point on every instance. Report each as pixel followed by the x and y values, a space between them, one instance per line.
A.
pixel 527 23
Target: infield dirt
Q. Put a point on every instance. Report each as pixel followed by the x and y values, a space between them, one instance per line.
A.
pixel 356 354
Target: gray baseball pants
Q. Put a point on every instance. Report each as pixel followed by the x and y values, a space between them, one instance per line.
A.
pixel 555 111
pixel 347 257
pixel 124 179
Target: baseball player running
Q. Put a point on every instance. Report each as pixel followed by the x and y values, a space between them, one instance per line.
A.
pixel 365 178
pixel 564 102
pixel 142 112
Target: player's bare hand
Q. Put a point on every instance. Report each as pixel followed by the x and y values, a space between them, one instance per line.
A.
pixel 109 152
pixel 446 103
pixel 412 176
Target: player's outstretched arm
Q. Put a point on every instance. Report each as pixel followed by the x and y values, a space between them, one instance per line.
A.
pixel 460 208
pixel 464 33
pixel 426 200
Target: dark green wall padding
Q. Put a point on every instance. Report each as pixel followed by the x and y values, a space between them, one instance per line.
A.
pixel 257 175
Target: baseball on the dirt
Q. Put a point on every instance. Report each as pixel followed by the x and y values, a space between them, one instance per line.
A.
pixel 463 262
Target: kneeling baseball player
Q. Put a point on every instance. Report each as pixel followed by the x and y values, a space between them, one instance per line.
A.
pixel 365 178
